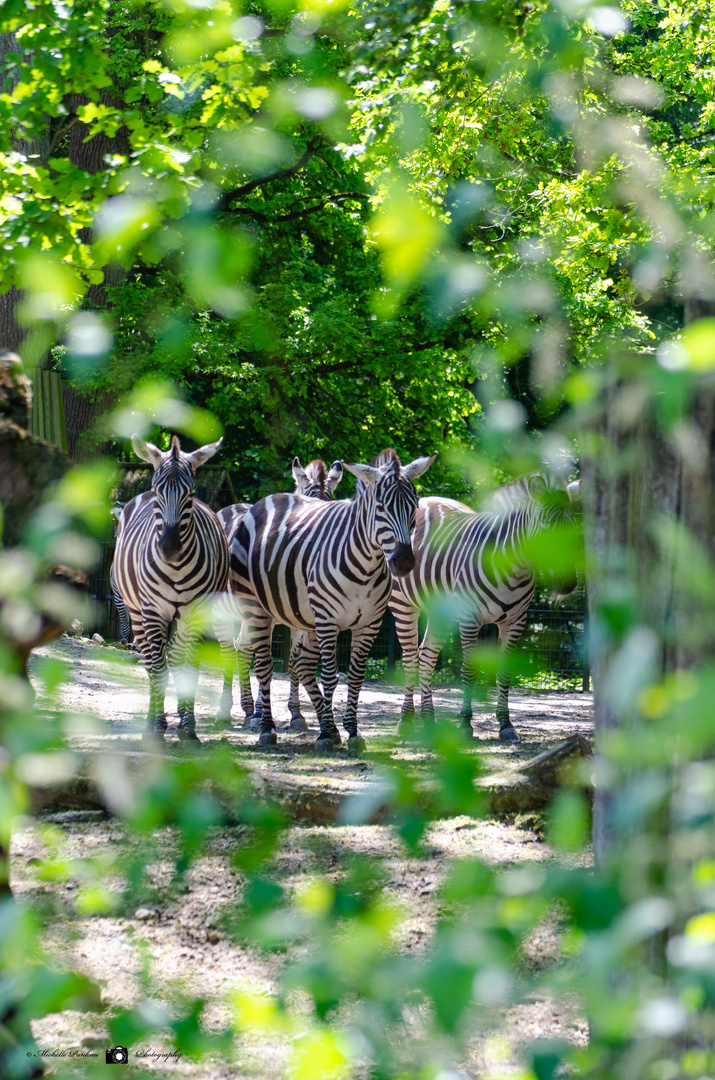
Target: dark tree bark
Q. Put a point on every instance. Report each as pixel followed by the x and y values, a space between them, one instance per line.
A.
pixel 89 155
pixel 646 474
pixel 82 411
pixel 12 333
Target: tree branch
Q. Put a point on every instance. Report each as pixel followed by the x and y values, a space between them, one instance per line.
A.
pixel 245 189
pixel 338 196
pixel 60 134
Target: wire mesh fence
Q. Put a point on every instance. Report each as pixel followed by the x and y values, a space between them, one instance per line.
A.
pixel 551 654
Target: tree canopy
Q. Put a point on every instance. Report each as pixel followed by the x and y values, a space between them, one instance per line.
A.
pixel 381 213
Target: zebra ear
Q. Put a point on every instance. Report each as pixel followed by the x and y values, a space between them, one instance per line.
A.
pixel 334 476
pixel 198 457
pixel 573 491
pixel 301 480
pixel 363 472
pixel 146 451
pixel 418 466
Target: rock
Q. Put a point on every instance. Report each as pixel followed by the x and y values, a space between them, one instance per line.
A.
pixel 213 936
pixel 75 628
pixel 98 639
pixel 143 914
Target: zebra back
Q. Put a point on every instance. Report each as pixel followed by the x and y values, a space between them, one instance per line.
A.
pixel 481 558
pixel 314 482
pixel 298 556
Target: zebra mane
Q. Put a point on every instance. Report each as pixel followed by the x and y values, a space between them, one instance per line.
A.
pixel 388 456
pixel 317 473
pixel 527 489
pixel 508 496
pixel 172 466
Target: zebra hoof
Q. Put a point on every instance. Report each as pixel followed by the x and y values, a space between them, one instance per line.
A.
pixel 508 733
pixel 356 745
pixel 267 738
pixel 465 730
pixel 223 723
pixel 325 745
pixel 190 742
pixel 297 725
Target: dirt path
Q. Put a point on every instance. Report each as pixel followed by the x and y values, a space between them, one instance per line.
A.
pixel 180 938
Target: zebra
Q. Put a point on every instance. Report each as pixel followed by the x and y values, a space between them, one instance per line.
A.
pixel 314 481
pixel 479 565
pixel 171 554
pixel 324 567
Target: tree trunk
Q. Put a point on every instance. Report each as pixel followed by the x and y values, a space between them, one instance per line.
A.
pixel 82 411
pixel 12 333
pixel 648 494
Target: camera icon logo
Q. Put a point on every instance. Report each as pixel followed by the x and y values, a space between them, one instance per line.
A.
pixel 118 1055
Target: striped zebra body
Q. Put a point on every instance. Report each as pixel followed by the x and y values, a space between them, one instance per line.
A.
pixel 473 569
pixel 313 482
pixel 171 556
pixel 322 568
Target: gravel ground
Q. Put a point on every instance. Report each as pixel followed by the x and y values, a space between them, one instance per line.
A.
pixel 178 938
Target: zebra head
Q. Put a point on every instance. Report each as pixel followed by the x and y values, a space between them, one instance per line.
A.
pixel 314 481
pixel 173 484
pixel 388 484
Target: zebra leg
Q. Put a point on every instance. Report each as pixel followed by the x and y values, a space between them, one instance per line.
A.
pixel 302 666
pixel 329 736
pixel 151 637
pixel 224 629
pixel 253 719
pixel 407 627
pixel 186 675
pixel 468 634
pixel 256 635
pixel 430 649
pixel 508 636
pixel 252 711
pixel 307 669
pixel 360 650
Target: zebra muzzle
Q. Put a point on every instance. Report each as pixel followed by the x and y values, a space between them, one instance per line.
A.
pixel 402 560
pixel 170 543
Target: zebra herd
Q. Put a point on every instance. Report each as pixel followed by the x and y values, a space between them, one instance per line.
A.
pixel 320 566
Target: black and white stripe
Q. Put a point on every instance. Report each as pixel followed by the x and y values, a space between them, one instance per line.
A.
pixel 171 555
pixel 322 568
pixel 314 481
pixel 474 569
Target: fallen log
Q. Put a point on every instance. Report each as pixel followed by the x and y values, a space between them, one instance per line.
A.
pixel 531 786
pixel 325 800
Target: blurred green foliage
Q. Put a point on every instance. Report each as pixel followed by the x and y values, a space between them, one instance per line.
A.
pixel 335 227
